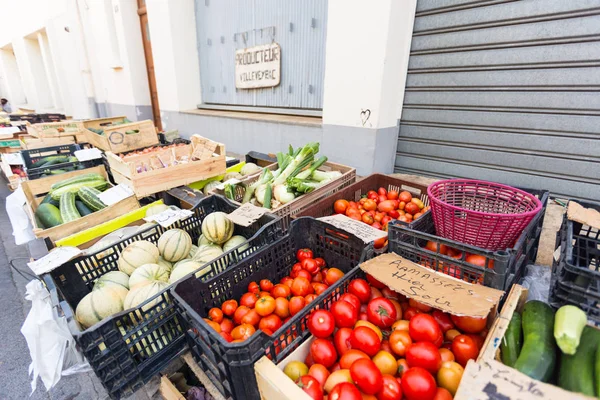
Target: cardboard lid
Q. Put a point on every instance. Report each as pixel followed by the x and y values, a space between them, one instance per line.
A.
pixel 587 216
pixel 431 287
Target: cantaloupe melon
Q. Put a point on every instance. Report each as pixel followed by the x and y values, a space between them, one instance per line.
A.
pixel 193 251
pixel 196 264
pixel 148 273
pixel 117 278
pixel 235 241
pixel 168 265
pixel 100 304
pixel 217 228
pixel 174 245
pixel 207 253
pixel 157 209
pixel 137 254
pixel 185 268
pixel 202 240
pixel 143 292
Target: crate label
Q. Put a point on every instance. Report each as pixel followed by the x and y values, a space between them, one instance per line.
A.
pixel 587 216
pixel 361 230
pixel 486 380
pixel 88 154
pixel 246 214
pixel 115 194
pixel 13 158
pixel 231 181
pixel 54 259
pixel 169 217
pixel 431 287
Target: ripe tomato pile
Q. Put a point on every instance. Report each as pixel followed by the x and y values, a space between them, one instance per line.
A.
pixel 379 207
pixel 267 305
pixel 374 343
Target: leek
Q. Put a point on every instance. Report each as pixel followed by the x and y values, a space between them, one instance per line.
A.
pixel 268 196
pixel 303 185
pixel 313 167
pixel 266 176
pixel 302 160
pixel 282 194
pixel 321 176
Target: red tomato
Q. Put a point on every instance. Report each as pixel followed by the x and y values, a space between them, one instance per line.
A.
pixel 301 286
pixel 424 328
pixel 319 287
pixel 402 367
pixel 405 196
pixel 390 389
pixel 394 214
pixel 360 288
pixel 270 323
pixel 477 339
pixel 365 339
pixel 375 293
pixel 425 355
pixel 378 243
pixel 323 352
pixel 381 312
pixel 321 262
pixel 282 307
pixel 320 373
pixel 442 394
pixel 443 320
pixel 321 323
pixel 433 247
pixel 419 306
pixel 239 313
pixel 215 314
pixel 370 205
pixel 344 313
pixel 304 274
pixel 348 358
pixel 226 325
pixel 266 285
pixel 301 254
pixel 418 384
pixel 374 282
pixel 382 191
pixel 381 199
pixel 386 206
pixel 249 299
pixel 411 208
pixel 480 261
pixel 265 306
pixel 341 340
pixel 295 269
pixel 367 219
pixel 251 318
pixel 227 336
pixel 310 298
pixel 318 277
pixel 242 332
pixel 287 281
pixel 228 307
pixel 366 376
pixel 371 194
pixel 310 265
pixel 399 342
pixel 409 313
pixel 464 349
pixel 310 386
pixel 296 304
pixel 333 275
pixel 352 299
pixel 213 325
pixel 253 287
pixel 469 324
pixel 344 391
pixel 280 290
pixel 340 206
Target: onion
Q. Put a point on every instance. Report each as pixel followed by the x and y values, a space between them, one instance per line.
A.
pixel 249 169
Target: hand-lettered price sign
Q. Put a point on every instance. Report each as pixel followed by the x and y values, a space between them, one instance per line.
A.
pixel 169 217
pixel 246 214
pixel 115 194
pixel 358 228
pixel 54 259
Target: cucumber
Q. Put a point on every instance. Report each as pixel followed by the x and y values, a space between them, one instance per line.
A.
pixel 78 179
pixel 74 188
pixel 53 160
pixel 577 371
pixel 57 171
pixel 89 197
pixel 48 215
pixel 68 211
pixel 48 199
pixel 538 355
pixel 82 208
pixel 512 341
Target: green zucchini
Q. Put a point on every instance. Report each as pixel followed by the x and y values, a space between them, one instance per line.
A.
pixel 53 160
pixel 82 208
pixel 89 197
pixel 77 179
pixel 512 341
pixel 48 215
pixel 48 199
pixel 538 355
pixel 68 211
pixel 57 171
pixel 74 188
pixel 569 322
pixel 577 371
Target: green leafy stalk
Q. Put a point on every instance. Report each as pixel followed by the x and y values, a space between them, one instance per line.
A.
pixel 268 196
pixel 230 191
pixel 303 185
pixel 266 176
pixel 313 167
pixel 302 160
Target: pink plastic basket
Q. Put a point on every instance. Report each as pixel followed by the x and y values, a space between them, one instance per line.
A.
pixel 483 214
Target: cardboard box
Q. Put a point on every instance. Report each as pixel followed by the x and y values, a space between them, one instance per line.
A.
pixel 409 279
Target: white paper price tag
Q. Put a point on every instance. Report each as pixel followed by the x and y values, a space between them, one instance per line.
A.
pixel 13 158
pixel 88 154
pixel 54 259
pixel 246 214
pixel 361 230
pixel 231 181
pixel 115 194
pixel 169 217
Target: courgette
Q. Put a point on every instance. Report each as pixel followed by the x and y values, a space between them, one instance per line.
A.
pixel 68 211
pixel 78 179
pixel 48 199
pixel 512 341
pixel 57 171
pixel 53 160
pixel 577 371
pixel 48 215
pixel 74 188
pixel 538 355
pixel 569 322
pixel 89 197
pixel 82 208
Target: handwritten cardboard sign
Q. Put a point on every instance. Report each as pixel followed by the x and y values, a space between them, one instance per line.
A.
pixel 587 216
pixel 493 380
pixel 358 228
pixel 54 259
pixel 115 194
pixel 169 217
pixel 431 287
pixel 246 214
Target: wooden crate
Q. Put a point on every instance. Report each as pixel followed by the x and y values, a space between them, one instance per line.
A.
pixel 32 142
pixel 36 190
pixel 57 129
pixel 117 141
pixel 158 180
pixel 101 123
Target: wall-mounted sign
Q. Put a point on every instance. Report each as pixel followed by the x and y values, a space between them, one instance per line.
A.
pixel 258 67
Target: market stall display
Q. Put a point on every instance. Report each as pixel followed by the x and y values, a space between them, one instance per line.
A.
pixel 120 135
pixel 146 332
pixel 230 365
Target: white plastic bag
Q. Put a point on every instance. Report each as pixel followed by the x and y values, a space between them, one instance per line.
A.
pixel 22 229
pixel 52 348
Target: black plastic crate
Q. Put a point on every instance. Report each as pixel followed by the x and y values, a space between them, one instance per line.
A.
pixel 32 156
pixel 31 118
pixel 230 366
pixel 502 269
pixel 129 348
pixel 54 117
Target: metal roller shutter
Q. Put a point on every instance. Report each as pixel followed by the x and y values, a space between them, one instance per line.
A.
pixel 507 91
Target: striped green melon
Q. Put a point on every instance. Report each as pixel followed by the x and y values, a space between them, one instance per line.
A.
pixel 143 292
pixel 207 253
pixel 236 240
pixel 174 245
pixel 148 273
pixel 157 209
pixel 186 267
pixel 202 240
pixel 100 304
pixel 117 278
pixel 137 254
pixel 193 251
pixel 217 228
pixel 187 261
pixel 168 265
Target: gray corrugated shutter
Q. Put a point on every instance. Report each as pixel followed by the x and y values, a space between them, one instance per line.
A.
pixel 507 91
pixel 300 27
